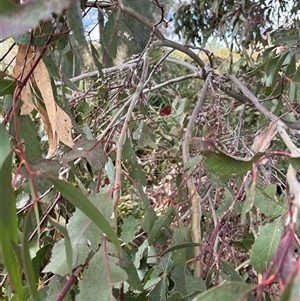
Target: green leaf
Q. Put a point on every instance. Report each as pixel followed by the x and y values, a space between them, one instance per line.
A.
pixel 22 199
pixel 160 290
pixel 228 272
pixel 140 254
pixel 95 55
pixel 175 296
pixel 67 240
pixel 185 283
pixel 42 166
pixel 75 22
pixel 129 228
pixel 246 243
pixel 143 136
pixel 183 107
pixel 110 38
pixel 25 295
pixel 221 164
pixel 5 144
pixel 289 40
pixel 39 38
pixel 43 295
pixel 225 167
pixel 292 92
pixel 235 29
pixel 7 86
pixel 74 196
pixel 130 269
pixel 181 237
pixel 85 236
pixel 227 202
pixel 135 169
pixel 128 296
pixel 99 278
pixel 27 261
pixel 264 247
pixel 294 86
pixel 181 246
pixel 249 202
pixel 62 42
pixel 295 162
pixel 227 291
pixel 55 286
pixel 136 172
pixel 128 153
pixel 90 150
pixel 291 68
pixel 145 200
pixel 16 19
pixel 38 261
pixel 192 162
pixel 27 130
pixel 8 215
pixel 160 224
pixel 53 70
pixel 110 170
pixel 268 206
pixel 273 68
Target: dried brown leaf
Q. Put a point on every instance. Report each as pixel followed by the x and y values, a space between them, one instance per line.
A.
pixel 60 121
pixel 52 139
pixel 64 127
pixel 23 69
pixel 263 139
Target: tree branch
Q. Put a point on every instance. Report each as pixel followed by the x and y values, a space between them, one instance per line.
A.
pixel 133 100
pixel 254 100
pixel 250 98
pixel 193 194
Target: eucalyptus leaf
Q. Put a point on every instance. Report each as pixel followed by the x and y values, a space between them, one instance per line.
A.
pixel 130 269
pixel 265 245
pixel 8 215
pixel 16 19
pixel 185 283
pixel 89 149
pixel 129 228
pixel 227 291
pixel 160 224
pixel 99 278
pixel 7 86
pixel 90 212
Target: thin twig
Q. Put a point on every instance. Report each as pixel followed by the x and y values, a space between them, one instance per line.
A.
pixel 195 198
pixel 133 101
pixel 255 101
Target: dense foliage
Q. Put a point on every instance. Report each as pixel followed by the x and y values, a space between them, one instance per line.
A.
pixel 134 167
pixel 239 23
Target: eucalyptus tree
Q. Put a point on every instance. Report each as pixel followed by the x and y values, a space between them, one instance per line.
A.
pixel 153 178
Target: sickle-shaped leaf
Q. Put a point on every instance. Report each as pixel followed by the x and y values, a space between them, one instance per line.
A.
pixel 8 215
pixel 74 196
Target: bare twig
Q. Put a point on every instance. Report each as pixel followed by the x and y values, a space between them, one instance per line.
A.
pixel 187 51
pixel 133 101
pixel 295 152
pixel 170 81
pixel 254 100
pixel 249 98
pixel 195 198
pixel 182 63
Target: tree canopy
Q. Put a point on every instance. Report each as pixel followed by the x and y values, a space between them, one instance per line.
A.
pixel 245 23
